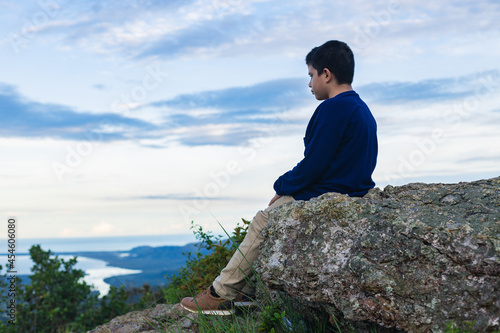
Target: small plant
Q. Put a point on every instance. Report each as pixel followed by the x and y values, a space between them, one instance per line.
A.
pixel 466 328
pixel 452 328
pixel 271 317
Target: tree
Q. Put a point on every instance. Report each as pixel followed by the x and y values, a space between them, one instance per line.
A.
pixel 55 295
pixel 57 298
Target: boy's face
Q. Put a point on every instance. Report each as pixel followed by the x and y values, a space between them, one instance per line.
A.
pixel 317 84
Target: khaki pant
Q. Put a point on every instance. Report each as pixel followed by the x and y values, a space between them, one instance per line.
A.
pixel 234 277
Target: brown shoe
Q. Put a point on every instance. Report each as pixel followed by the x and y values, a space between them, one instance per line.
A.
pixel 205 303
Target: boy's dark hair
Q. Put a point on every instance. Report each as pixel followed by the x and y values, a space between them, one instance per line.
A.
pixel 337 57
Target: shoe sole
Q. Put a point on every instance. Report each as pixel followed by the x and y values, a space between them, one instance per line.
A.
pixel 210 312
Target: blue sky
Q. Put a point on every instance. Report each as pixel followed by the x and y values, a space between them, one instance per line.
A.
pixel 137 117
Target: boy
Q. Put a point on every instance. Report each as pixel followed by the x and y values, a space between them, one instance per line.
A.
pixel 340 156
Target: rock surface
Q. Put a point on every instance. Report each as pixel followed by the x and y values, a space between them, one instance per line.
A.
pixel 169 318
pixel 414 257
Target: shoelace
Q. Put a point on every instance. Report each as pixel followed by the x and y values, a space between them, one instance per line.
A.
pixel 204 292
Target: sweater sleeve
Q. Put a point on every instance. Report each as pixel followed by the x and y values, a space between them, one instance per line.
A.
pixel 317 155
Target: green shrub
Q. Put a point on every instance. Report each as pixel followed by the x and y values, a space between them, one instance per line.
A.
pixel 204 266
pixel 271 317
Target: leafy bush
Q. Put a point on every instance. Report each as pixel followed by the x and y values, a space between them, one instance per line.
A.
pixel 204 266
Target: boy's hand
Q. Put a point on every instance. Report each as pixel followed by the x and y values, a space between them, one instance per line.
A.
pixel 276 197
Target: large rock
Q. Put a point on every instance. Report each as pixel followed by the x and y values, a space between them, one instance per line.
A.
pixel 414 257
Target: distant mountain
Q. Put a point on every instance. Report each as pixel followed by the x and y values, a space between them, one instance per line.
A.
pixel 155 263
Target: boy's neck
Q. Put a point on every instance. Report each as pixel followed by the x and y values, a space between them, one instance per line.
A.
pixel 338 89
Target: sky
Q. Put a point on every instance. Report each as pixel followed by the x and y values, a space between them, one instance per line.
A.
pixel 138 117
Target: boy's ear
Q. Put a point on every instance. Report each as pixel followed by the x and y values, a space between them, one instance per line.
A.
pixel 328 74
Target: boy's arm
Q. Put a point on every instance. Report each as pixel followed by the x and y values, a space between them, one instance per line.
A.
pixel 317 158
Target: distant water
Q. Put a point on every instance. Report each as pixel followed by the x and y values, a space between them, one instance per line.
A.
pixel 97 244
pixel 96 270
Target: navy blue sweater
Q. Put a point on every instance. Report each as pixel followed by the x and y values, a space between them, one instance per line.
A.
pixel 340 151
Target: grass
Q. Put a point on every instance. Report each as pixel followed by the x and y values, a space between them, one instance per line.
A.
pixel 269 318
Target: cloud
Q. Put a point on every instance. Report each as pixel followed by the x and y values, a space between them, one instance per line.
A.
pixel 183 28
pixel 68 232
pixel 432 90
pixel 221 136
pixel 235 115
pixel 378 31
pixel 271 94
pixel 223 117
pixel 103 228
pixel 22 117
pixel 182 197
pixel 99 86
pixel 208 37
pixel 483 159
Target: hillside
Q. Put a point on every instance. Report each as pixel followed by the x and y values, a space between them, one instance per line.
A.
pixel 155 263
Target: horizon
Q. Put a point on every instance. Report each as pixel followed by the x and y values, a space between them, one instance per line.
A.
pixel 135 119
pixel 102 237
pixel 95 244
